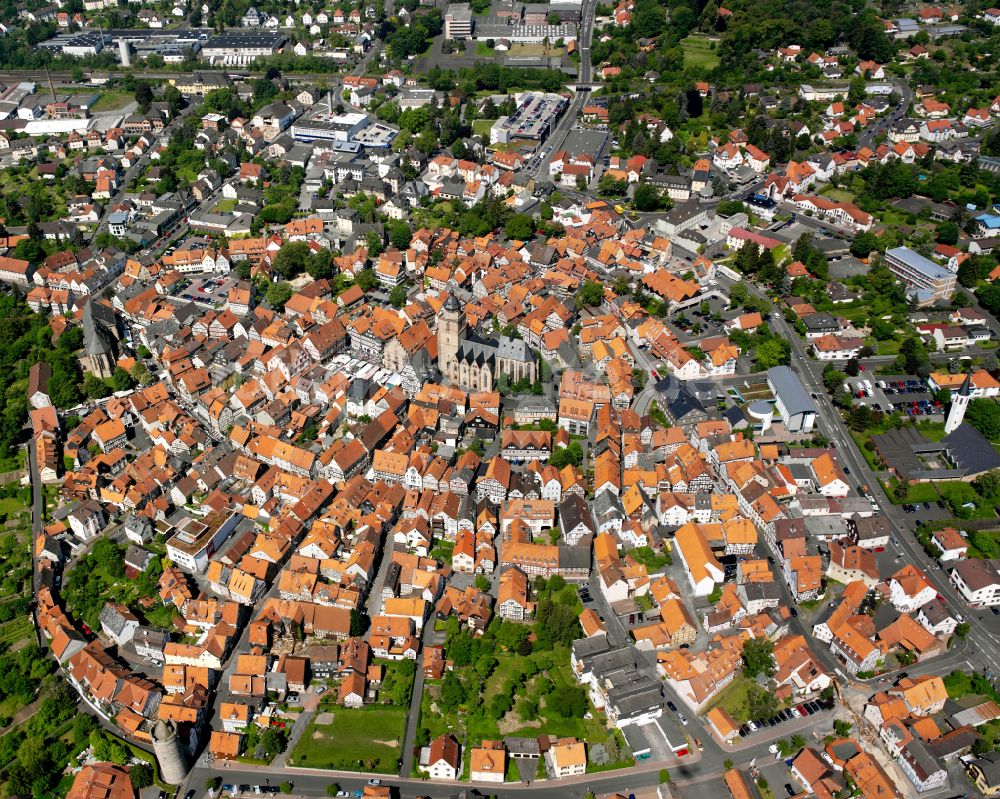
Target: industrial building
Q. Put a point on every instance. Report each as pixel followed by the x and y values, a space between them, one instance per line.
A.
pixel 241 47
pixel 170 43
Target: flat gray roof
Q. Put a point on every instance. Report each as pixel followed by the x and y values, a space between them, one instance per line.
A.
pixel 916 261
pixel 786 385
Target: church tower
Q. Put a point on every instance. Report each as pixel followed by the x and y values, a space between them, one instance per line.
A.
pixel 959 404
pixel 449 334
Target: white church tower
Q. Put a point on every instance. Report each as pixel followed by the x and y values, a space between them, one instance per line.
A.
pixel 959 404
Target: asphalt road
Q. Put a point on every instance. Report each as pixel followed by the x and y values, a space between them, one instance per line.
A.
pixel 984 638
pixel 558 136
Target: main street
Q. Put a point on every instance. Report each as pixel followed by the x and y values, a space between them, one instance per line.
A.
pixel 558 137
pixel 984 637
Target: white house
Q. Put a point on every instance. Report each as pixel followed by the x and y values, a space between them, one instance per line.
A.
pixel 444 760
pixel 978 581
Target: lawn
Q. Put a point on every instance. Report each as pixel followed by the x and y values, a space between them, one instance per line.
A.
pixel 481 127
pixel 534 50
pixel 888 347
pixel 698 53
pixel 733 699
pixel 12 505
pixel 112 101
pixel 920 492
pixel 956 493
pixel 839 195
pixel 366 739
pixel 225 206
pixel 482 51
pixel 932 430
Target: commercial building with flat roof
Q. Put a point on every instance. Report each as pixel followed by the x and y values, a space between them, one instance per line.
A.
pixel 534 118
pixel 798 411
pixel 242 47
pixel 458 21
pixel 323 125
pixel 927 282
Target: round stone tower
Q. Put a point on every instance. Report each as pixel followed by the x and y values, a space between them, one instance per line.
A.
pixel 169 753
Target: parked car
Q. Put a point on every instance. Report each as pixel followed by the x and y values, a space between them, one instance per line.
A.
pixel 789 789
pixel 672 706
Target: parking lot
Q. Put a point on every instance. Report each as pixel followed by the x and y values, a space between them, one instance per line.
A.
pixel 788 714
pixel 208 289
pixel 907 394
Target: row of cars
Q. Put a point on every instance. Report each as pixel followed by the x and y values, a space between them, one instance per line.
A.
pixel 922 407
pixel 788 714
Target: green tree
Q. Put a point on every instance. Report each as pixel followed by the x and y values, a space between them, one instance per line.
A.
pixel 988 484
pixel 141 775
pixel 520 227
pixel 984 415
pixel 864 243
pixel 278 294
pixel 758 657
pixel 121 380
pixel 400 235
pixel 373 243
pixel 397 297
pixel 95 387
pixel 140 374
pixel 646 198
pixel 842 728
pixel 568 701
pixel 366 280
pixel 913 354
pixel 591 294
pixel 772 352
pixel 143 96
pixel 664 776
pixel 292 258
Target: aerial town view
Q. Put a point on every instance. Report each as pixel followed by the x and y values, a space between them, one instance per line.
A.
pixel 561 399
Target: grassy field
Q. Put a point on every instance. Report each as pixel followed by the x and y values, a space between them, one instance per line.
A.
pixel 839 195
pixel 921 492
pixel 697 53
pixel 888 347
pixel 534 50
pixel 224 207
pixel 11 506
pixel 368 739
pixel 112 101
pixel 733 699
pixel 481 127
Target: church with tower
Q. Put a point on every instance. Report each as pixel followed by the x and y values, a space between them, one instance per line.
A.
pixel 474 363
pixel 959 405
